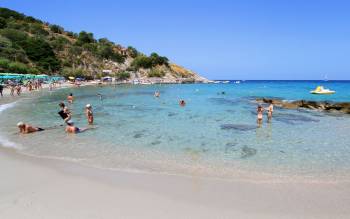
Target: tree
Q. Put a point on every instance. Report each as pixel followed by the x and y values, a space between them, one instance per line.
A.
pixel 38 29
pixel 56 28
pixel 85 37
pixel 2 23
pixel 123 75
pixel 7 13
pixel 156 73
pixel 17 37
pixel 40 51
pixel 133 52
pixel 141 62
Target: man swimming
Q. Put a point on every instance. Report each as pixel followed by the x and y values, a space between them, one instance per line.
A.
pixel 26 128
pixel 64 112
pixel 73 129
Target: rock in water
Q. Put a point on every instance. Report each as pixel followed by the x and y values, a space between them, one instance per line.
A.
pixel 238 127
pixel 248 152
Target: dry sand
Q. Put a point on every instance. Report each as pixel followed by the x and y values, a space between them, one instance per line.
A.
pixel 40 188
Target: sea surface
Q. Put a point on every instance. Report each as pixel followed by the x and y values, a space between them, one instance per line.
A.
pixel 214 135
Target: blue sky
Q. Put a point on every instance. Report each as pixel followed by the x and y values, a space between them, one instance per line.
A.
pixel 251 39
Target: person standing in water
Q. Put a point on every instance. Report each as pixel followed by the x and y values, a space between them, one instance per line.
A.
pixel 182 103
pixel 269 112
pixel 26 128
pixel 18 89
pixel 89 114
pixel 12 91
pixel 70 98
pixel 157 94
pixel 1 89
pixel 64 112
pixel 260 111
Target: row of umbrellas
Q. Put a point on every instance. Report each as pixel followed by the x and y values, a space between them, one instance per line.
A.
pixel 14 76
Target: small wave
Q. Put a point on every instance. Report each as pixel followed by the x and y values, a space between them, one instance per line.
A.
pixel 6 106
pixel 4 142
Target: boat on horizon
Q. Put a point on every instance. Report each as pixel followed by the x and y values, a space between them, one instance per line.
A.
pixel 322 90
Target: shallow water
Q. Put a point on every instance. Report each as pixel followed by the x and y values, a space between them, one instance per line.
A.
pixel 214 135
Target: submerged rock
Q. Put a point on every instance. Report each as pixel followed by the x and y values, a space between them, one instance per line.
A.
pixel 238 127
pixel 343 107
pixel 293 118
pixel 247 152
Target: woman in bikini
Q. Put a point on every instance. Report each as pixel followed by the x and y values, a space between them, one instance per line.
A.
pixel 260 111
pixel 89 114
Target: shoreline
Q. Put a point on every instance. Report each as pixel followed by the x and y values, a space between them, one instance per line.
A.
pixel 96 192
pixel 35 187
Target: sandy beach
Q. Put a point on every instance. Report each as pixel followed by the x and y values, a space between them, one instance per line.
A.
pixel 42 188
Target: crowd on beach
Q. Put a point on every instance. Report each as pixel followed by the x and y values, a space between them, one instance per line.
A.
pixel 16 86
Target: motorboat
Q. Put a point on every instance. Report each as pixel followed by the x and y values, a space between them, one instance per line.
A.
pixel 322 90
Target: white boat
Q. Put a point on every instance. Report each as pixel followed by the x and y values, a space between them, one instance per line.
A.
pixel 237 82
pixel 226 82
pixel 322 90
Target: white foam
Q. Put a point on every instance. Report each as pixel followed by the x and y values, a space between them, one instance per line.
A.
pixel 4 142
pixel 6 106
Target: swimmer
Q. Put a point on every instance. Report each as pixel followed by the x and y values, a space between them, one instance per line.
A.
pixel 100 95
pixel 269 112
pixel 182 103
pixel 157 94
pixel 73 129
pixel 26 128
pixel 70 98
pixel 260 111
pixel 64 112
pixel 89 114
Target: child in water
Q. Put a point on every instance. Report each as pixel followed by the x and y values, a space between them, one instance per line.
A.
pixel 70 98
pixel 89 114
pixel 182 103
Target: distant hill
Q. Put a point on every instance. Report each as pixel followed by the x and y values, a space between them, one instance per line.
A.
pixel 29 45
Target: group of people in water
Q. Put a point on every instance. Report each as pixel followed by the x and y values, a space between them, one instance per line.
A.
pixel 66 115
pixel 260 110
pixel 181 102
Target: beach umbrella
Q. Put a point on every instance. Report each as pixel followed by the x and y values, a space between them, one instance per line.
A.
pixel 71 77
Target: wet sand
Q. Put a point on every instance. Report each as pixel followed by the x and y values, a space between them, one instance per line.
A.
pixel 42 188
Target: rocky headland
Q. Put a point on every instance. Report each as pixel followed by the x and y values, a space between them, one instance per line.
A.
pixel 342 107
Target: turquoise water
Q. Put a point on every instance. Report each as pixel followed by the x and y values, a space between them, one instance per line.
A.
pixel 214 135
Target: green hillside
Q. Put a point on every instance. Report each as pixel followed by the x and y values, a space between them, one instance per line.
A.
pixel 29 45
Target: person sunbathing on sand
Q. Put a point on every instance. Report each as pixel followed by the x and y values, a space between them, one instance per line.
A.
pixel 73 129
pixel 26 128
